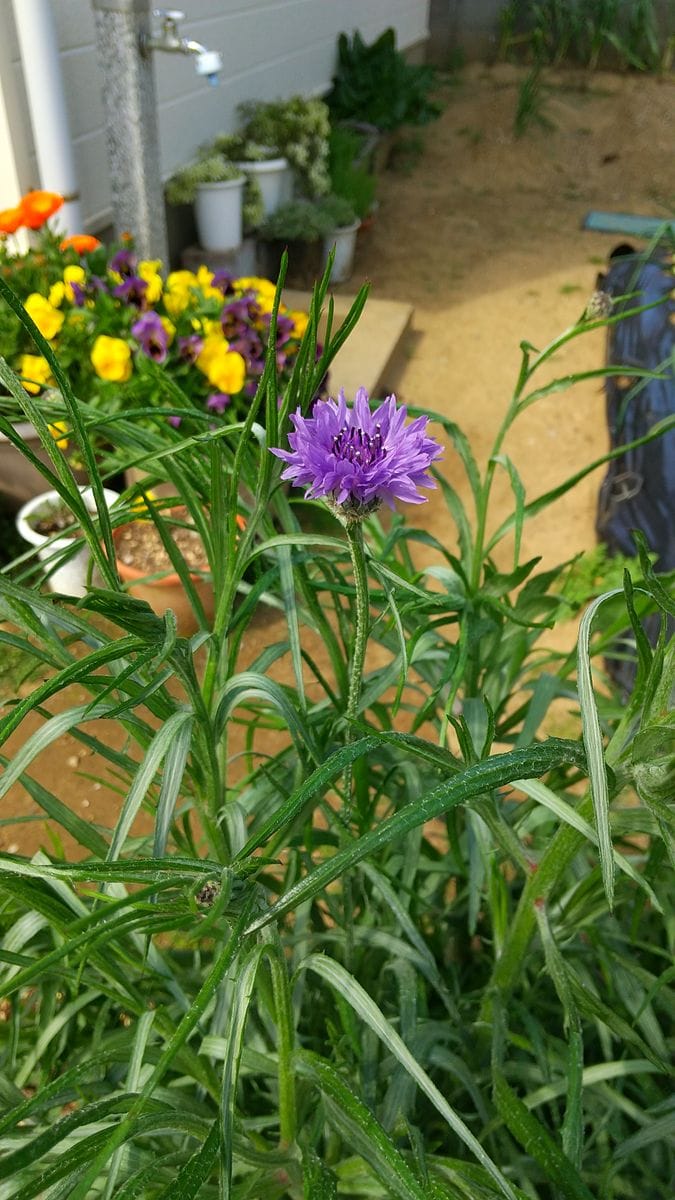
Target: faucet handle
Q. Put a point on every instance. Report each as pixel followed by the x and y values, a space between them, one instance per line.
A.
pixel 171 15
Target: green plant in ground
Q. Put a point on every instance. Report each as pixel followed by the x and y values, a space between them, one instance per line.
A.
pixel 531 105
pixel 299 128
pixel 385 936
pixel 374 83
pixel 584 31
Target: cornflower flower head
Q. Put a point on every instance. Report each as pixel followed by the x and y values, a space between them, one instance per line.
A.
pixel 357 459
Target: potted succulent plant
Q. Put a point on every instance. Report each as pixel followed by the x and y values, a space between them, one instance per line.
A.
pixel 47 523
pixel 264 166
pixel 309 229
pixel 216 188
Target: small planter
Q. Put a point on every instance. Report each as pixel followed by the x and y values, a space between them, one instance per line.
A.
pixel 344 240
pixel 145 567
pixel 218 214
pixel 275 180
pixel 43 517
pixel 304 261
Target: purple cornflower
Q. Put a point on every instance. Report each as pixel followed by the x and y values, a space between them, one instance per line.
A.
pixel 359 459
pixel 132 290
pixel 151 336
pixel 218 401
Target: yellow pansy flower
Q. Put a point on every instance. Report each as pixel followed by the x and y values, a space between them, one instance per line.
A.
pixel 149 271
pixel 111 358
pixel 226 370
pixel 47 318
pixel 300 321
pixel 73 274
pixel 214 345
pixel 57 430
pixel 169 327
pixel 35 372
pixel 57 293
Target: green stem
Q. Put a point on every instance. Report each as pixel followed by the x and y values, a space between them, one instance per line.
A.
pixel 360 640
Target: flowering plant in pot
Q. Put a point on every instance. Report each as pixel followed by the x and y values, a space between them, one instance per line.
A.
pixel 127 337
pixel 49 261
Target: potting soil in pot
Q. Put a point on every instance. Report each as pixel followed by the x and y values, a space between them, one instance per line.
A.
pixel 54 520
pixel 140 546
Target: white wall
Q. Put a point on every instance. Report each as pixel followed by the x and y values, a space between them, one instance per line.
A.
pixel 271 49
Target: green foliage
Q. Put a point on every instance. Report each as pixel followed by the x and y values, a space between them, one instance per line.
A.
pixel 306 220
pixel 374 83
pixel 182 187
pixel 378 935
pixel 237 148
pixel 585 32
pixel 299 128
pixel 349 176
pixel 530 105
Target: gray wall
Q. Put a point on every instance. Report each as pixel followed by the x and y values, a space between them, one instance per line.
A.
pixel 271 49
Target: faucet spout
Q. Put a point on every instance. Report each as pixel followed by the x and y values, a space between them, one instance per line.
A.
pixel 207 62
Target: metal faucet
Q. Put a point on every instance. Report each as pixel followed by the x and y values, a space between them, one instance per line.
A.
pixel 207 62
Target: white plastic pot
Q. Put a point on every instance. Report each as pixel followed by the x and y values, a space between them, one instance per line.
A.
pixel 70 578
pixel 273 177
pixel 218 214
pixel 344 240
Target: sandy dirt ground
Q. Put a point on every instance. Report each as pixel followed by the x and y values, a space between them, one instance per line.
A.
pixel 483 236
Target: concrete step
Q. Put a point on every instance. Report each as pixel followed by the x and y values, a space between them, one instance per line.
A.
pixel 370 357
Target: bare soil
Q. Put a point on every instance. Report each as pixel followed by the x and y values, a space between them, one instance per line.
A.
pixel 484 237
pixel 140 546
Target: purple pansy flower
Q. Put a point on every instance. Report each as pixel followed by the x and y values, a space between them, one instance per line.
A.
pixel 222 279
pixel 190 347
pixel 132 290
pixel 151 336
pixel 357 458
pixel 123 263
pixel 218 401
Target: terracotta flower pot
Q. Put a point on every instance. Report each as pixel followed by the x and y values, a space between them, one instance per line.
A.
pixel 166 590
pixel 161 591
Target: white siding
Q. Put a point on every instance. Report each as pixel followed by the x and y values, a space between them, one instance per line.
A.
pixel 271 49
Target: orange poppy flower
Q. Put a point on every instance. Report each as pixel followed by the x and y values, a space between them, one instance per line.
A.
pixel 38 206
pixel 81 243
pixel 11 219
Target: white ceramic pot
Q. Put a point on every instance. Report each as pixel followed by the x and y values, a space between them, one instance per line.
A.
pixel 71 577
pixel 344 240
pixel 218 214
pixel 273 177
